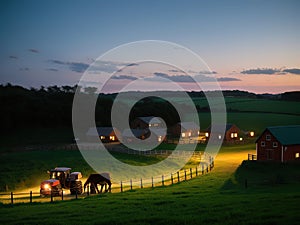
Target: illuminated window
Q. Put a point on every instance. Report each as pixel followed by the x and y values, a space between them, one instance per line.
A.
pixel 112 138
pixel 102 137
pixel 182 134
pixel 159 138
pixel 206 134
pixel 220 137
pixel 263 144
pixel 190 134
pixel 297 155
pixel 198 132
pixel 241 139
pixel 268 137
pixel 275 144
pixel 251 133
pixel 234 135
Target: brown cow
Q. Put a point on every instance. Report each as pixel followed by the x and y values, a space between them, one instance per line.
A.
pixel 102 179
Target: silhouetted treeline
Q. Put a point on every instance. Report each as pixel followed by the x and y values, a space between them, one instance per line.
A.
pixel 291 96
pixel 44 107
pixel 52 106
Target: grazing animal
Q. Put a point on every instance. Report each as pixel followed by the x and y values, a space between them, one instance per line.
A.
pixel 102 179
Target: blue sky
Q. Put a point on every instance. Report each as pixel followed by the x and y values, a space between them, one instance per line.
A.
pixel 51 42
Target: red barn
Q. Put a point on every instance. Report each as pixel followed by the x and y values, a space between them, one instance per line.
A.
pixel 281 143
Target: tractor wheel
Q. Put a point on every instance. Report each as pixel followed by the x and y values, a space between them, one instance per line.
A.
pixel 57 190
pixel 76 187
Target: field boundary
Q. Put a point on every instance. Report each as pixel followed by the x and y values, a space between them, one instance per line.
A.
pixel 206 164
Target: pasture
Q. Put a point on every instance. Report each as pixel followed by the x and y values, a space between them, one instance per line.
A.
pixel 271 195
pixel 218 197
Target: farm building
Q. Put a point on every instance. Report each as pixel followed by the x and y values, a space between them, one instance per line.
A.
pixel 138 133
pixel 185 130
pixel 145 122
pixel 159 134
pixel 232 133
pixel 106 134
pixel 281 143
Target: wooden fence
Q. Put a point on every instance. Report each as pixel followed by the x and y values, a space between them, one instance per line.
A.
pixel 30 197
pixel 252 157
pixel 122 186
pixel 206 163
pixel 166 179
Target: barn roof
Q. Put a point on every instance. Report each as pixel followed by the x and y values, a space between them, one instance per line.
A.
pixel 286 135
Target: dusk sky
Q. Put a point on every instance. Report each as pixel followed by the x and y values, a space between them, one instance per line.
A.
pixel 250 45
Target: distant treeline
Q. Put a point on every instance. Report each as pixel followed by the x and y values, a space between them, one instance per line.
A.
pixel 52 106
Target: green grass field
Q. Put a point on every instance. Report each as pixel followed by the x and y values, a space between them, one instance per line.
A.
pixel 218 197
pixel 271 196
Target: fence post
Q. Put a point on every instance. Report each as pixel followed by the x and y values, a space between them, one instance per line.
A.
pixel 196 171
pixel 30 197
pixel 191 172
pixel 130 184
pixel 202 169
pixel 62 195
pixel 51 196
pixel 141 183
pixel 76 195
pixel 184 174
pixel 121 186
pixel 152 180
pixel 172 178
pixel 178 177
pixel 162 180
pixel 88 190
pixel 12 198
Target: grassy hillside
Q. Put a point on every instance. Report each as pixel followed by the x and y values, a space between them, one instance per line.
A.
pixel 219 197
pixel 203 200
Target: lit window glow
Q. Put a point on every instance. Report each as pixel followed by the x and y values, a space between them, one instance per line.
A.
pixel 297 155
pixel 234 135
pixel 251 133
pixel 182 134
pixel 206 134
pixel 112 138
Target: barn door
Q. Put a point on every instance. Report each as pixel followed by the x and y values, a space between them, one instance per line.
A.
pixel 270 154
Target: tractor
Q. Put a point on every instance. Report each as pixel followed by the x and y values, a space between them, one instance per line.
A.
pixel 61 177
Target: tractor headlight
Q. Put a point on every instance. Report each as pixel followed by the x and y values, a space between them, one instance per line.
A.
pixel 47 187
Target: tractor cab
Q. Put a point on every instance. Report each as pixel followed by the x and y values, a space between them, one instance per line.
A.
pixel 62 174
